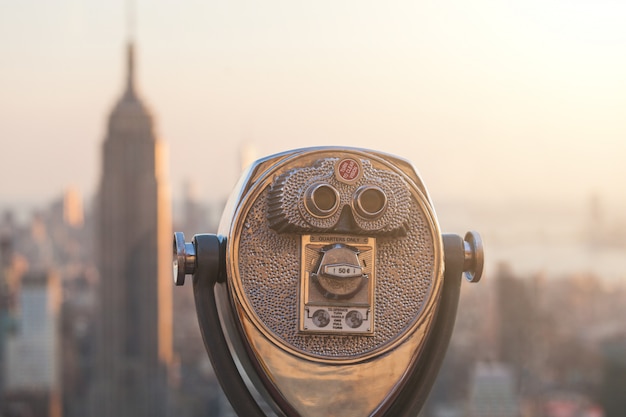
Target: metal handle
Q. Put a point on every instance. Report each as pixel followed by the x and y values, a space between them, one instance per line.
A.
pixel 184 261
pixel 474 257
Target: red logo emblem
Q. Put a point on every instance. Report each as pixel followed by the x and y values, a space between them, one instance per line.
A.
pixel 348 169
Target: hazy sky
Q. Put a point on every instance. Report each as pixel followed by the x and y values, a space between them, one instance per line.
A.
pixel 507 101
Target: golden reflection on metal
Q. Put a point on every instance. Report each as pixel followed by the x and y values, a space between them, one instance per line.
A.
pixel 335 311
pixel 320 382
pixel 355 390
pixel 259 183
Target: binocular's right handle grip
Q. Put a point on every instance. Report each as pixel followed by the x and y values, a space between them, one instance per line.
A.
pixel 474 256
pixel 426 371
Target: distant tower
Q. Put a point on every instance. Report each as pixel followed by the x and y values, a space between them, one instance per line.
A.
pixel 32 372
pixel 134 330
pixel 73 214
pixel 193 213
pixel 515 315
pixel 613 392
pixel 595 224
pixel 492 391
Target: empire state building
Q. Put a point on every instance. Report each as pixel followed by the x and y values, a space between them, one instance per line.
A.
pixel 134 329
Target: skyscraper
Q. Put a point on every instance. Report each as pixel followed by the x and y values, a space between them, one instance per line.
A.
pixel 32 372
pixel 134 330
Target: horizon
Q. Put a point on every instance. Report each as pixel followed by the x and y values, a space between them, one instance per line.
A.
pixel 508 107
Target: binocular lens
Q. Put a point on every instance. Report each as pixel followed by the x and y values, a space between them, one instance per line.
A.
pixel 322 200
pixel 370 201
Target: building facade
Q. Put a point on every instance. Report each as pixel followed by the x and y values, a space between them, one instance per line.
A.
pixel 32 383
pixel 133 351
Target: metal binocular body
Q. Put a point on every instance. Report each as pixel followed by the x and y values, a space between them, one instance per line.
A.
pixel 329 289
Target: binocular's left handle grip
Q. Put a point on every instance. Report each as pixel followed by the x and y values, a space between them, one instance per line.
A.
pixel 184 261
pixel 202 257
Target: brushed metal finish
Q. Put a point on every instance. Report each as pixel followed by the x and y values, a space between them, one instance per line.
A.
pixel 264 225
pixel 318 293
pixel 351 390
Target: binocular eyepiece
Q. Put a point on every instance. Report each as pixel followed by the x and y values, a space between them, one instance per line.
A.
pixel 329 288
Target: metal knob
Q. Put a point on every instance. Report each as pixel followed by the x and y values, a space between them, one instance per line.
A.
pixel 184 261
pixel 474 257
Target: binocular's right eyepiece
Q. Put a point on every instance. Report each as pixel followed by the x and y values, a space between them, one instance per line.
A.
pixel 329 288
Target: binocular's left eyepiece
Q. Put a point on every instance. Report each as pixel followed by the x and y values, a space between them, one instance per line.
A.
pixel 329 288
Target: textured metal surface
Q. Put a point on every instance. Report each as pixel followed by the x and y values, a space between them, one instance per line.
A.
pixel 337 231
pixel 307 373
pixel 287 210
pixel 268 262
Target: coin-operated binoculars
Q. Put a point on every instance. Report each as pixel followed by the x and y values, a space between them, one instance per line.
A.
pixel 329 288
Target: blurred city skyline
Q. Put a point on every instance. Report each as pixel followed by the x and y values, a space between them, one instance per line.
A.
pixel 512 113
pixel 493 103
